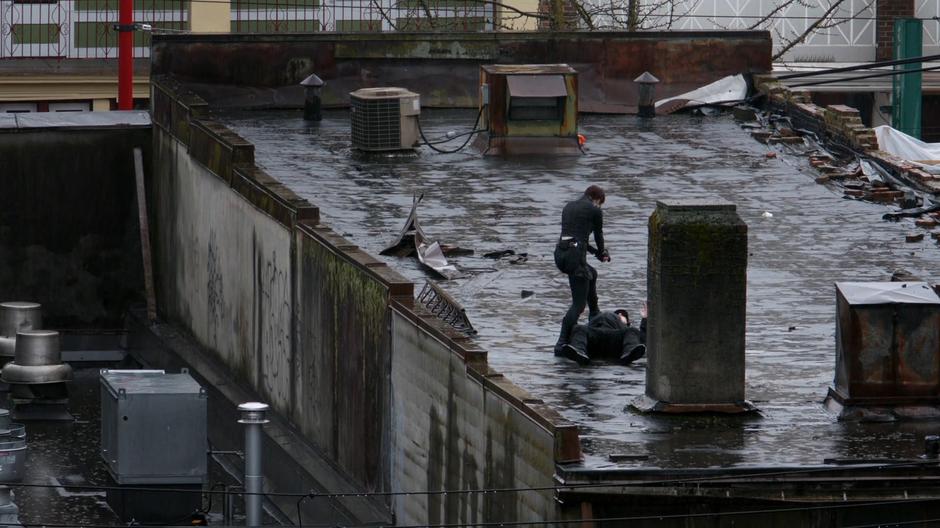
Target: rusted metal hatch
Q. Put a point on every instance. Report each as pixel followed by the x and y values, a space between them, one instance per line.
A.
pixel 529 109
pixel 887 343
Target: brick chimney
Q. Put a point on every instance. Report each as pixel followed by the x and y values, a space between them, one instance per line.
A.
pixel 886 12
pixel 697 289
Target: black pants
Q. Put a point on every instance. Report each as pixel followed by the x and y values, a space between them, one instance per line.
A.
pixel 583 292
pixel 597 342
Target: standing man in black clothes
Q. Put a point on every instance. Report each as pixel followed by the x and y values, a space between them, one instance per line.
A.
pixel 579 219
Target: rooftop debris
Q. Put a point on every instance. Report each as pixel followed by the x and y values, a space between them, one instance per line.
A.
pixel 412 241
pixel 405 244
pixel 862 174
pixel 499 254
pixel 511 256
pixel 730 89
pixel 924 155
pixel 445 307
pixel 432 256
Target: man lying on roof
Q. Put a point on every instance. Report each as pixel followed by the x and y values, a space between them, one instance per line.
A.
pixel 608 335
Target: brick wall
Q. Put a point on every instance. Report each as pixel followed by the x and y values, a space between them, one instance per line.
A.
pixel 887 11
pixel 445 68
pixel 843 125
pixel 568 17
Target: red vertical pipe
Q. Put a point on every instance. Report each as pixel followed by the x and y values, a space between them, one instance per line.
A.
pixel 126 56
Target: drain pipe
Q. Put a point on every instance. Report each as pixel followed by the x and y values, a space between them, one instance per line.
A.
pixel 646 105
pixel 253 418
pixel 312 101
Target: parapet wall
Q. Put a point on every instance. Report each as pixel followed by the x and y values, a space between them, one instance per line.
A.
pixel 842 125
pixel 330 336
pixel 265 70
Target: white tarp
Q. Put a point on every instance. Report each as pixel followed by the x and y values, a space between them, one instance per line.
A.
pixel 727 90
pixel 857 293
pixel 893 141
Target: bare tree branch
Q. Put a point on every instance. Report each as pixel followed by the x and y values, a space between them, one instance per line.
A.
pixel 384 15
pixel 809 30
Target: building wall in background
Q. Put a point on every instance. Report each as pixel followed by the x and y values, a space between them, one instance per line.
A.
pixel 265 70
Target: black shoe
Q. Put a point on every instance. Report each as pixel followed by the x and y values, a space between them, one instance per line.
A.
pixel 560 349
pixel 576 355
pixel 633 354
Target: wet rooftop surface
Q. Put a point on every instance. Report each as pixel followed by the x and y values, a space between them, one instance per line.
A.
pixel 813 239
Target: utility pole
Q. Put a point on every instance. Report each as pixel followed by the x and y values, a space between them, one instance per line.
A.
pixel 125 30
pixel 633 15
pixel 558 15
pixel 906 89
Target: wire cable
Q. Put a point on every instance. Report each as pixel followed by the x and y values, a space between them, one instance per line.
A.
pixel 564 522
pixel 863 77
pixel 676 516
pixel 893 523
pixel 451 138
pixel 461 147
pixel 567 522
pixel 864 66
pixel 556 487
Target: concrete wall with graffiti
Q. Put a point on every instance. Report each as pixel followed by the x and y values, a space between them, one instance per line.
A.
pixel 330 336
pixel 458 425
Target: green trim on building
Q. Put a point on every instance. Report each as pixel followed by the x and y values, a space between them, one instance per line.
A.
pixel 442 24
pixel 275 26
pixel 283 5
pixel 102 34
pixel 359 26
pixel 439 4
pixel 170 6
pixel 35 33
pixel 907 93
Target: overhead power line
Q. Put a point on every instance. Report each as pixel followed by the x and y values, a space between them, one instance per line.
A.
pixel 677 516
pixel 558 487
pixel 865 66
pixel 863 77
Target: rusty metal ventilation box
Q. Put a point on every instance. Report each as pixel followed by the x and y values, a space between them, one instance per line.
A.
pixel 384 119
pixel 529 109
pixel 887 344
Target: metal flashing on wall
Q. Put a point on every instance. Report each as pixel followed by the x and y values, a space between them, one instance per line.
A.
pixel 862 293
pixel 536 86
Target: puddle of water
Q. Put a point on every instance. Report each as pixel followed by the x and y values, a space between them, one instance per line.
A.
pixel 814 238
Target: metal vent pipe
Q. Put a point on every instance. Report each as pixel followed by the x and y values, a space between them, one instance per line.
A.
pixel 16 316
pixel 253 416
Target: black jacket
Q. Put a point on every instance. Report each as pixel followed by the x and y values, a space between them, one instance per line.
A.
pixel 579 219
pixel 608 336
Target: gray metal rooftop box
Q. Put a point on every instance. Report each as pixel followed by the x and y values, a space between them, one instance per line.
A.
pixel 887 343
pixel 153 427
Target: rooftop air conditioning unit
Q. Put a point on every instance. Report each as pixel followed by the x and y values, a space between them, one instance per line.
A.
pixel 384 119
